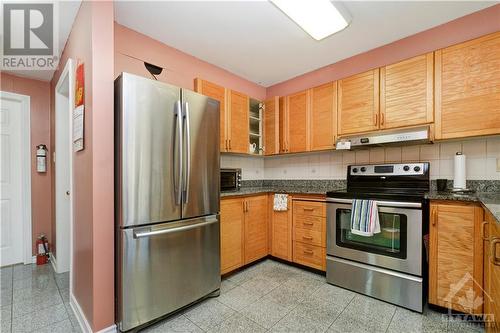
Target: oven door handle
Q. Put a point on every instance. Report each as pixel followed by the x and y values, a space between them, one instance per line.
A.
pixel 380 203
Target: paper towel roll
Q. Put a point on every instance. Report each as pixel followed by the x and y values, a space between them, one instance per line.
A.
pixel 459 171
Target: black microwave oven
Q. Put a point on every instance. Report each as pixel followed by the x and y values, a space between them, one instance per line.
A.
pixel 230 179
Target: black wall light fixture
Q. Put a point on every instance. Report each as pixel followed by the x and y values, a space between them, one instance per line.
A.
pixel 153 69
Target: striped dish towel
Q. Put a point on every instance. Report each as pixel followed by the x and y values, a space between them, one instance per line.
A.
pixel 364 218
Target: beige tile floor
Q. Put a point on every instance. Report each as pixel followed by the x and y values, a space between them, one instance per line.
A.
pixel 266 297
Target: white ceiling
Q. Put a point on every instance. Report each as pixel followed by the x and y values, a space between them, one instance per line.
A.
pixel 255 40
pixel 67 11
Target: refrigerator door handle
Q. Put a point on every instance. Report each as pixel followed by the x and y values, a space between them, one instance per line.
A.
pixel 187 173
pixel 178 182
pixel 175 229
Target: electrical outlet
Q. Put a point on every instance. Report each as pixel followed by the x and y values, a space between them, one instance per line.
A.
pixel 498 164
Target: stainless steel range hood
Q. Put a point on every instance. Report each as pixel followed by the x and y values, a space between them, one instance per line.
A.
pixel 406 136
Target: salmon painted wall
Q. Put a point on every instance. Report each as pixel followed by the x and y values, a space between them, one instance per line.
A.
pixel 180 68
pixel 468 27
pixel 41 203
pixel 91 42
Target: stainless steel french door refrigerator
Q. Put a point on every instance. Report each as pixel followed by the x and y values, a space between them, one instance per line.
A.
pixel 167 199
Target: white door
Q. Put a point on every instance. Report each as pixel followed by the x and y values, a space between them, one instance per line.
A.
pixel 11 210
pixel 63 176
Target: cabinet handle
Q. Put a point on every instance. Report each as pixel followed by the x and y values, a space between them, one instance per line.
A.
pixel 376 119
pixel 307 237
pixel 381 119
pixel 494 260
pixel 482 231
pixel 308 252
pixel 229 144
pixel 307 223
pixel 308 209
pixel 433 217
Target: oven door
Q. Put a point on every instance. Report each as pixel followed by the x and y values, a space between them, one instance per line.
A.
pixel 398 246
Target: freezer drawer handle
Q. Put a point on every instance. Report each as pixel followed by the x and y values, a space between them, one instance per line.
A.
pixel 173 230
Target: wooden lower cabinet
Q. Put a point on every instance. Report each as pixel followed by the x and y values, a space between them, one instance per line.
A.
pixel 491 273
pixel 456 256
pixel 281 231
pixel 256 228
pixel 232 220
pixel 243 231
pixel 309 233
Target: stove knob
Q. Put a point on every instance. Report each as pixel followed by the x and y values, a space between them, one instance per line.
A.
pixel 417 169
pixel 363 169
pixel 406 168
pixel 355 170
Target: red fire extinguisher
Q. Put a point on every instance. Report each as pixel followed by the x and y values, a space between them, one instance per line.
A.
pixel 42 250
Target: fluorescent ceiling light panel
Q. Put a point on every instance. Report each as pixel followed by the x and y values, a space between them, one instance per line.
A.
pixel 319 18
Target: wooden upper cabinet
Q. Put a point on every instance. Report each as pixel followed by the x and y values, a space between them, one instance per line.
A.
pixel 358 103
pixel 231 234
pixel 456 256
pixel 271 126
pixel 467 81
pixel 256 228
pixel 406 92
pixel 238 120
pixel 218 93
pixel 283 131
pixel 297 134
pixel 323 116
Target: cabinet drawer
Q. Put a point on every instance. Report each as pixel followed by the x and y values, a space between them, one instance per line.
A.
pixel 307 236
pixel 311 208
pixel 309 222
pixel 309 255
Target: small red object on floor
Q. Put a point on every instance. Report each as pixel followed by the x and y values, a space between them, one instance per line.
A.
pixel 42 247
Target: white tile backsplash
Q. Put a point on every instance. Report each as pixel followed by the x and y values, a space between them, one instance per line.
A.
pixel 482 155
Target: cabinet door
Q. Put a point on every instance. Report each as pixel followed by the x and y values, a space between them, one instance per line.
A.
pixel 238 114
pixel 494 273
pixel 323 116
pixel 281 229
pixel 298 129
pixel 406 92
pixel 218 93
pixel 256 239
pixel 283 125
pixel 358 103
pixel 467 93
pixel 455 262
pixel 271 126
pixel 231 231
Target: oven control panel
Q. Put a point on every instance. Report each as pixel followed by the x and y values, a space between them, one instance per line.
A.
pixel 400 169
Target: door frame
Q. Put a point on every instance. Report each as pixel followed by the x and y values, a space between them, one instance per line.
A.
pixel 25 171
pixel 69 73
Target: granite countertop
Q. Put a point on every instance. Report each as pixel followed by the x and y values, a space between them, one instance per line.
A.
pixel 490 200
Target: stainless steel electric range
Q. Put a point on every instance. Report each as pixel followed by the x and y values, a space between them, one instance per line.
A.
pixel 389 265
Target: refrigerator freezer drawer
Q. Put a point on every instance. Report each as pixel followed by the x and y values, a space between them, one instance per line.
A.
pixel 165 267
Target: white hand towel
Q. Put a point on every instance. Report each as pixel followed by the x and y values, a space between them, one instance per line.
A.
pixel 280 202
pixel 364 218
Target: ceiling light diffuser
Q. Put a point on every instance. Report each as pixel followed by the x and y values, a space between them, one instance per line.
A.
pixel 319 18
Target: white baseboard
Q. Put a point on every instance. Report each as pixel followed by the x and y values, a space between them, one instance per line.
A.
pixel 82 320
pixel 110 329
pixel 33 261
pixel 80 316
pixel 53 262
